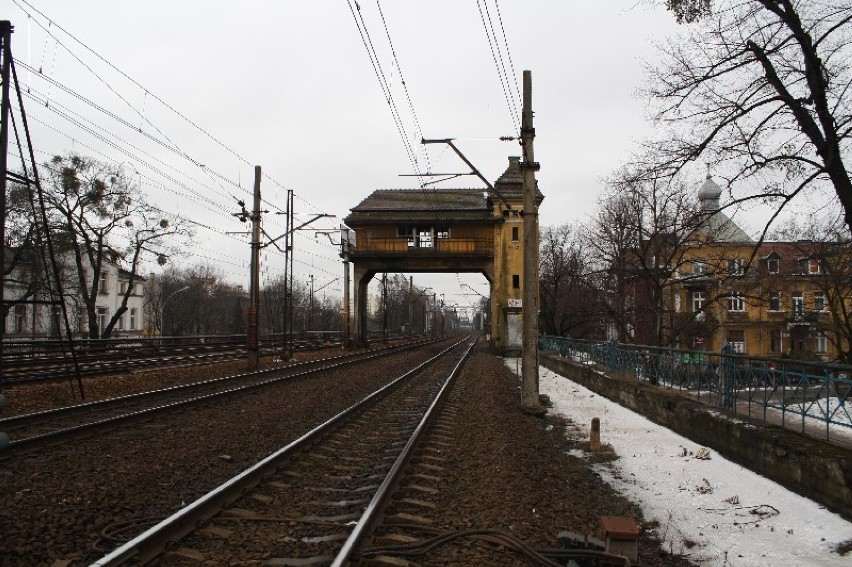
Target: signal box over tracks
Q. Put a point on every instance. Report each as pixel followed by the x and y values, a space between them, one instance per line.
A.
pixel 447 231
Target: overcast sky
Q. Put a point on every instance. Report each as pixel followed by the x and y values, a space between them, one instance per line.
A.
pixel 289 86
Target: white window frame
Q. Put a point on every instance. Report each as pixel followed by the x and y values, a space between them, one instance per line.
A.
pixel 698 299
pixel 132 318
pixel 736 302
pixel 773 265
pixel 103 314
pixel 821 342
pixel 797 302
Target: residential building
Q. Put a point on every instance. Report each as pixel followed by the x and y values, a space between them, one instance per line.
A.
pixel 771 299
pixel 34 316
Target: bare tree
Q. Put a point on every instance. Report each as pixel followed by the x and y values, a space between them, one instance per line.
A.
pixel 823 239
pixel 24 268
pixel 207 304
pixel 101 217
pixel 569 303
pixel 611 237
pixel 655 218
pixel 760 87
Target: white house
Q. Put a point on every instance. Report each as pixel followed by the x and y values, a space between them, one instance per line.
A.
pixel 36 317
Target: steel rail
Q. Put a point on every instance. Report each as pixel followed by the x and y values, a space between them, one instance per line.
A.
pixel 167 533
pixel 376 505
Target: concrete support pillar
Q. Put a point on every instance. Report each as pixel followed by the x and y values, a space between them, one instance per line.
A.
pixel 361 277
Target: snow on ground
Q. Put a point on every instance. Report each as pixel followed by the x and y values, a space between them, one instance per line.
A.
pixel 815 416
pixel 712 511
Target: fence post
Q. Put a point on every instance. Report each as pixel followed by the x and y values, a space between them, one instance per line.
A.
pixel 728 376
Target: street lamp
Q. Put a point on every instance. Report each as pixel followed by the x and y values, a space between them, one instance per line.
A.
pixel 163 308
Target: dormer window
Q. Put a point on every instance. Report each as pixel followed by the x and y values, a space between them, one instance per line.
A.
pixel 735 267
pixel 773 265
pixel 814 266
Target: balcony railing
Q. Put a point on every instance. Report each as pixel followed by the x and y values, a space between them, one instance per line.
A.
pixel 405 246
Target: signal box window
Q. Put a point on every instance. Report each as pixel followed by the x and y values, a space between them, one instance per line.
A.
pixel 516 281
pixel 515 232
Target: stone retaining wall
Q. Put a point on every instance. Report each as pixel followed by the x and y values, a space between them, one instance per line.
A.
pixel 810 467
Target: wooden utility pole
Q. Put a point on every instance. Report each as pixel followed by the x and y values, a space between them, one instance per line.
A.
pixel 6 55
pixel 529 373
pixel 345 248
pixel 311 306
pixel 410 307
pixel 254 287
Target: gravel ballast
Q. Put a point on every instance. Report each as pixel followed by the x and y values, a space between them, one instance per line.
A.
pixel 510 470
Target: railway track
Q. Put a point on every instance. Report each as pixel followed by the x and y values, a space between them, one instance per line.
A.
pixel 33 431
pixel 326 488
pixel 360 489
pixel 54 363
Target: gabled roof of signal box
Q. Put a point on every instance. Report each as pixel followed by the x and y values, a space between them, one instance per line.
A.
pixel 420 205
pixel 386 206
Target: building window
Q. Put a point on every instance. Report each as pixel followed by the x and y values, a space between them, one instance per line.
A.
pixel 735 267
pixel 814 266
pixel 821 342
pixel 697 301
pixel 132 318
pixel 102 285
pixel 121 323
pixel 772 265
pixel 55 316
pixel 102 319
pixel 516 281
pixel 736 338
pixel 798 303
pixel 736 302
pixel 123 288
pixel 802 265
pixel 699 268
pixel 424 239
pixel 819 301
pixel 775 341
pixel 775 301
pixel 442 231
pixel 515 234
pixel 20 315
pixel 677 303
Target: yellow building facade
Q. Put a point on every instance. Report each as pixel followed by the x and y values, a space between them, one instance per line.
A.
pixel 769 300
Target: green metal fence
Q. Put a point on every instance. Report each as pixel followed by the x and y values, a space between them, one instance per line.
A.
pixel 812 397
